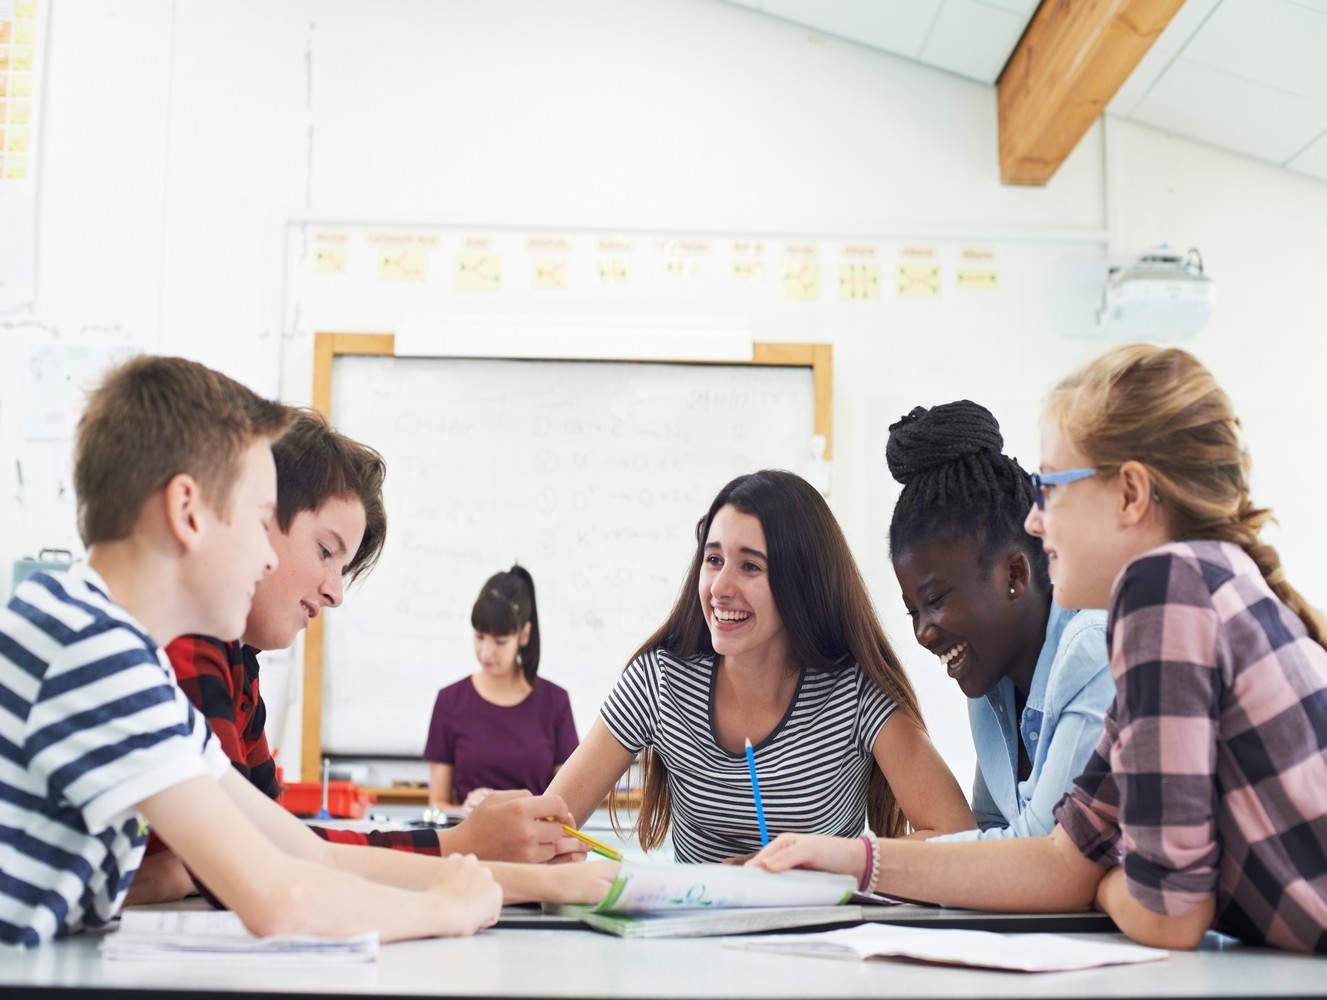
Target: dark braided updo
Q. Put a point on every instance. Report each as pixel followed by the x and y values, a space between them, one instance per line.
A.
pixel 958 483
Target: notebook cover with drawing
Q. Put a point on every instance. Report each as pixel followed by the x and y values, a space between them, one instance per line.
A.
pixel 672 900
pixel 711 923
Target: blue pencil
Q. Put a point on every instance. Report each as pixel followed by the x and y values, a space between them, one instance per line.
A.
pixel 755 788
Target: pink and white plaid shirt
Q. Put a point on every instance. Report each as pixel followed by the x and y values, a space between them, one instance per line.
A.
pixel 1211 773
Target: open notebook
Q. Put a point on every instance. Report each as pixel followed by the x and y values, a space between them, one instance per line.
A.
pixel 978 949
pixel 672 900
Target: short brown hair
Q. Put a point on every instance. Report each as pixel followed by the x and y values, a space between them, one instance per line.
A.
pixel 316 463
pixel 151 419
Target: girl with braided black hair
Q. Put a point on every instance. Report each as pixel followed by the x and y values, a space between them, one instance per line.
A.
pixel 976 587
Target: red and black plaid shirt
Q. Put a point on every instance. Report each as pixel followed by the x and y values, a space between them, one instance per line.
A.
pixel 221 679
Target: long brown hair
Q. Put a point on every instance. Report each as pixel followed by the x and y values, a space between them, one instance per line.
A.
pixel 1161 408
pixel 825 608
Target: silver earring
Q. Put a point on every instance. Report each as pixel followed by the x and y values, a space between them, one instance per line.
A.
pixel 1011 591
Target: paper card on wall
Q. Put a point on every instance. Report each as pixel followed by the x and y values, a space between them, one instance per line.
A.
pixel 748 269
pixel 748 262
pixel 16 167
pixel 916 252
pixel 330 260
pixel 614 270
pixel 550 245
pixel 478 271
pixel 550 272
pixel 977 277
pixel 919 280
pixel 15 139
pixel 22 58
pixel 801 271
pixel 402 265
pixel 859 282
pixel 58 380
pixel 801 280
pixel 682 257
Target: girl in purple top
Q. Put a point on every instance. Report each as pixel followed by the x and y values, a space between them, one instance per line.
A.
pixel 1204 806
pixel 503 726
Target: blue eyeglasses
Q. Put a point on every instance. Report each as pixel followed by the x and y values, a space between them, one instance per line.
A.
pixel 1040 482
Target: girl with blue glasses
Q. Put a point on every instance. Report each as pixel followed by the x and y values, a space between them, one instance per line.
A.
pixel 1205 804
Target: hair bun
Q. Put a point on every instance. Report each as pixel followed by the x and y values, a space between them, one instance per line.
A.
pixel 928 439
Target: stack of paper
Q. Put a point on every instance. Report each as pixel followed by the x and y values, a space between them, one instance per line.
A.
pixel 218 935
pixel 981 949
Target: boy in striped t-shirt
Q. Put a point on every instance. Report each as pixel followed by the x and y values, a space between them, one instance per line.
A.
pixel 176 488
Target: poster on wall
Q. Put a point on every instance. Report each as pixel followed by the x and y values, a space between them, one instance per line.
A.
pixel 22 39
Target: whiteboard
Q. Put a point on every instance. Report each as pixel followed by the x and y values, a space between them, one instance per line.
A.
pixel 591 474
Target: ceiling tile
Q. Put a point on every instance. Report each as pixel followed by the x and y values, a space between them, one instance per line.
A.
pixel 1275 42
pixel 898 26
pixel 1182 27
pixel 1202 103
pixel 973 39
pixel 1313 160
pixel 1312 4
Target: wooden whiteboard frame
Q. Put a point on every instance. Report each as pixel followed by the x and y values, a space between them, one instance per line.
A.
pixel 327 347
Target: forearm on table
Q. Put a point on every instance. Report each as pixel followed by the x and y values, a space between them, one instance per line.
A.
pixel 1031 874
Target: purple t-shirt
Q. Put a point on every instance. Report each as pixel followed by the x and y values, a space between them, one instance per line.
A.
pixel 497 746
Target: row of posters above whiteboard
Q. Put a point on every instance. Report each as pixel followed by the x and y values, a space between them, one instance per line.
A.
pixel 796 270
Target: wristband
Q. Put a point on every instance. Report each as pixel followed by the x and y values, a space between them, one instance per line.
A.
pixel 872 870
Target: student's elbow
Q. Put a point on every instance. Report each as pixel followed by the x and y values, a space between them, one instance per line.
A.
pixel 1179 933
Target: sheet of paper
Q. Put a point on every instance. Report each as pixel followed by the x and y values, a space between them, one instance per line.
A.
pixel 218 935
pixel 979 949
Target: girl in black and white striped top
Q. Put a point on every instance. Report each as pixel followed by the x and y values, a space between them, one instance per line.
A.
pixel 772 639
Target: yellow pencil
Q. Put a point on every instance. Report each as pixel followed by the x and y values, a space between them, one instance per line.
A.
pixel 594 845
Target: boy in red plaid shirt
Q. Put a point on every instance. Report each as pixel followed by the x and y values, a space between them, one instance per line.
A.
pixel 329 530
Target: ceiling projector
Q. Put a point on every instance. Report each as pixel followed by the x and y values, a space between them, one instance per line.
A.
pixel 1162 295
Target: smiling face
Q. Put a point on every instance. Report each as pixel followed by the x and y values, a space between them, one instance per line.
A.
pixel 1080 528
pixel 735 593
pixel 313 556
pixel 236 553
pixel 964 613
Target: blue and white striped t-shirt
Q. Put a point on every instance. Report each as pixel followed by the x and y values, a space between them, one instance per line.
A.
pixel 813 768
pixel 91 724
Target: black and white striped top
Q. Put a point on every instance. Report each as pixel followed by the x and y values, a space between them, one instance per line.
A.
pixel 813 768
pixel 91 724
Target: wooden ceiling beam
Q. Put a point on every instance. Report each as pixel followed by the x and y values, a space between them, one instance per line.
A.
pixel 1073 57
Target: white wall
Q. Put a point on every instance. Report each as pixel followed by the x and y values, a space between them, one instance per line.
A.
pixel 167 179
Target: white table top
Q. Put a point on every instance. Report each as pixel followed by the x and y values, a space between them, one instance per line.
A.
pixel 581 964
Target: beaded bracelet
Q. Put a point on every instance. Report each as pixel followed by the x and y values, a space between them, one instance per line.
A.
pixel 872 870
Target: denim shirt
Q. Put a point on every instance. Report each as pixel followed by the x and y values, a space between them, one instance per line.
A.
pixel 1071 689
